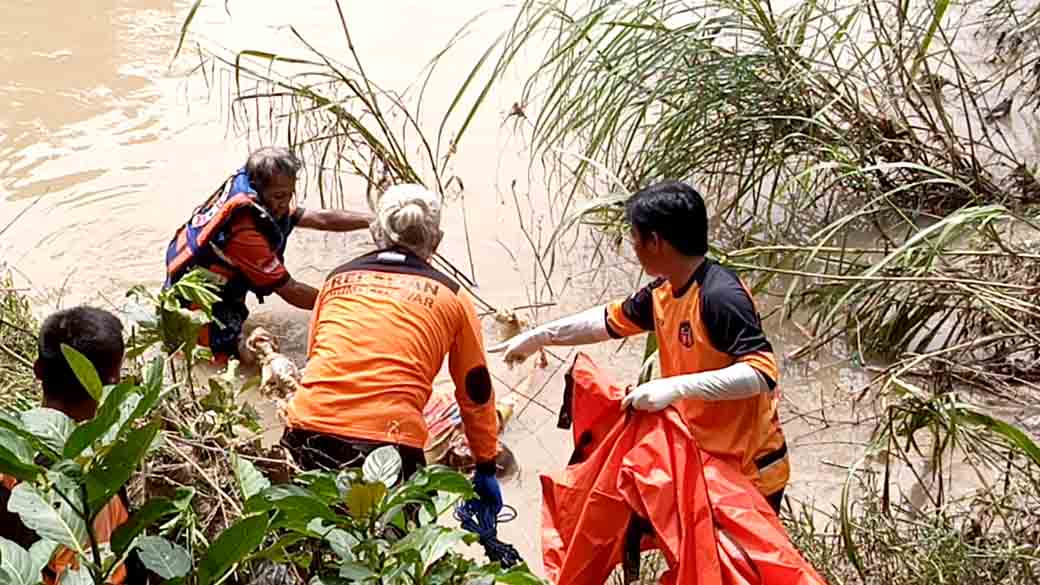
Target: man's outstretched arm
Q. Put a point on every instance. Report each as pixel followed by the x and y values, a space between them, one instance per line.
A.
pixel 334 220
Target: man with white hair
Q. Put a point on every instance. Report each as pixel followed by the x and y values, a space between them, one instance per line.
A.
pixel 239 235
pixel 380 331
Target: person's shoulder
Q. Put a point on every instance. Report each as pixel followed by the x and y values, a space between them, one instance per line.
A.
pixel 242 218
pixel 656 286
pixel 720 280
pixel 394 262
pixel 722 291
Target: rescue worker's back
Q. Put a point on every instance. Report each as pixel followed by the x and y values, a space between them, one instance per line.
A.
pixel 379 333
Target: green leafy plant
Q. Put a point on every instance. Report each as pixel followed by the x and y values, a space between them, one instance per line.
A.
pixel 180 312
pixel 356 526
pixel 224 408
pixel 175 325
pixel 69 472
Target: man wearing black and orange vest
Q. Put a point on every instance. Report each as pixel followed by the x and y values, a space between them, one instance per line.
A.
pixel 239 236
pixel 717 367
pixel 98 335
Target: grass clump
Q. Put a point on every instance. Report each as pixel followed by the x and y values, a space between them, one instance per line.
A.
pixel 18 335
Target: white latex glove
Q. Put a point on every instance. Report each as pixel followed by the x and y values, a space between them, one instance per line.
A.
pixel 520 347
pixel 733 383
pixel 586 327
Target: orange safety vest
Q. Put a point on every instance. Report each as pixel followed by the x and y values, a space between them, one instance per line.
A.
pixel 112 516
pixel 635 469
pixel 198 242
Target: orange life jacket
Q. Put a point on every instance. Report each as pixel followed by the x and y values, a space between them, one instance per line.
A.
pixel 112 516
pixel 633 468
pixel 198 242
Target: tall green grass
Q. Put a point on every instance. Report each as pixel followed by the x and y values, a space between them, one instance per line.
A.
pixel 856 175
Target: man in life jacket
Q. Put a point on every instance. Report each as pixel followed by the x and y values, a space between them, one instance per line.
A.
pixel 98 335
pixel 239 237
pixel 717 367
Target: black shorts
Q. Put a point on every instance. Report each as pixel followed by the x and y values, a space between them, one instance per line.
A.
pixel 316 451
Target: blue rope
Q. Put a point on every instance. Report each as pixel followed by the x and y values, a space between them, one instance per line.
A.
pixel 476 517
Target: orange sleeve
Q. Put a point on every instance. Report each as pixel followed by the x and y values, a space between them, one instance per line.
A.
pixel 251 254
pixel 633 315
pixel 473 390
pixel 764 362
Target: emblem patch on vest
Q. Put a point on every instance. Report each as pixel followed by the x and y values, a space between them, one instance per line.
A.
pixel 686 334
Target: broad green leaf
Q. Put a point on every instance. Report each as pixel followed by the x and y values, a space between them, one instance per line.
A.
pixel 355 572
pixel 152 511
pixel 433 478
pixel 400 573
pixel 363 499
pixel 441 478
pixel 84 370
pixel 431 542
pixel 153 383
pixel 124 420
pixel 296 506
pixel 163 558
pixel 321 484
pixel 11 464
pixel 382 465
pixel 107 415
pixel 250 481
pixel 231 546
pixel 182 498
pixel 16 446
pixel 41 552
pixel 1009 432
pixel 51 427
pixel 17 563
pixel 276 552
pixel 59 523
pixel 105 479
pixel 341 541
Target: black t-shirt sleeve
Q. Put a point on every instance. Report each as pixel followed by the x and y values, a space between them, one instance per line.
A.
pixel 729 315
pixel 637 310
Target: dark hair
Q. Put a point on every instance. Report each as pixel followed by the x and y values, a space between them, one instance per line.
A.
pixel 264 164
pixel 95 333
pixel 674 211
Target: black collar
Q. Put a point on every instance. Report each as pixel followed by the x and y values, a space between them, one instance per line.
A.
pixel 696 277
